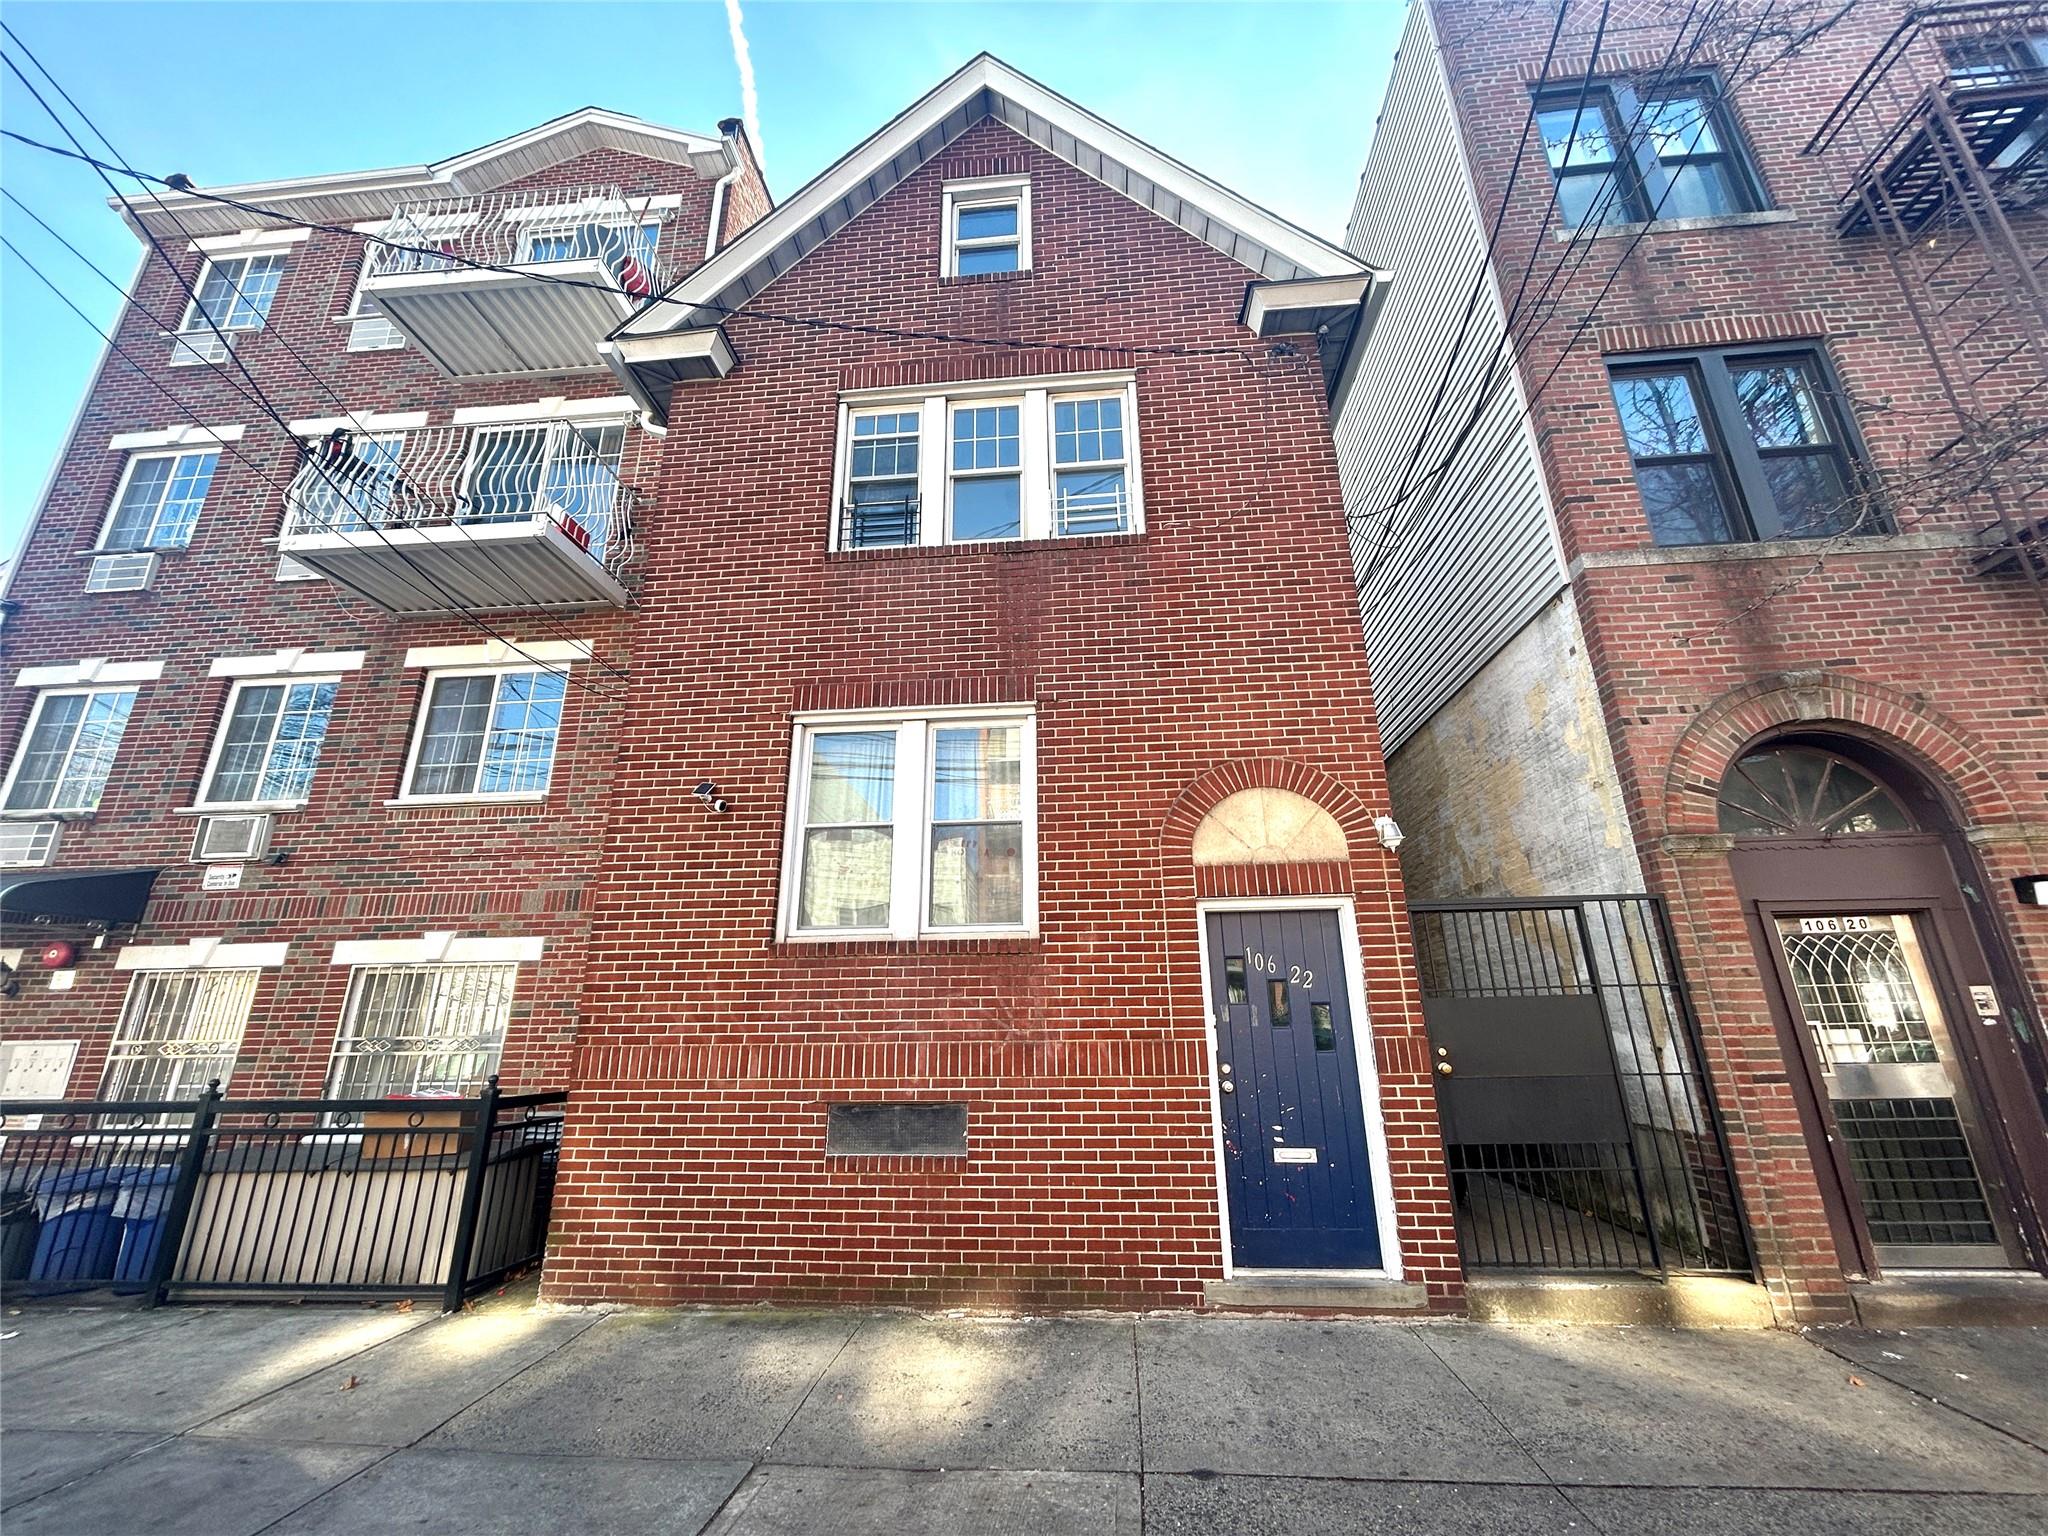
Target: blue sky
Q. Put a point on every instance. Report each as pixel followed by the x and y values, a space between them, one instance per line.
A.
pixel 1273 99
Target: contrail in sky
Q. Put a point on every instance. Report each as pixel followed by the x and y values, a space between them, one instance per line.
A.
pixel 750 102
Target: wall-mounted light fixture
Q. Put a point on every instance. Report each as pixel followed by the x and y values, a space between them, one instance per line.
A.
pixel 1391 835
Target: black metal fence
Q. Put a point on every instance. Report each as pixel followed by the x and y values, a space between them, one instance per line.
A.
pixel 1554 1166
pixel 213 1196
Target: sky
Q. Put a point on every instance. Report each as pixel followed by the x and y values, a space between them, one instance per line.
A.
pixel 1273 99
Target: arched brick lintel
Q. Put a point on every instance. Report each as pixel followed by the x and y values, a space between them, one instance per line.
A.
pixel 1217 784
pixel 1953 760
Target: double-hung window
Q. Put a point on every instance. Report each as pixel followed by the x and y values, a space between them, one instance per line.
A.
pixel 269 743
pixel 486 733
pixel 68 751
pixel 987 226
pixel 159 499
pixel 410 1029
pixel 179 1031
pixel 1620 155
pixel 903 826
pixel 234 293
pixel 1027 459
pixel 1730 446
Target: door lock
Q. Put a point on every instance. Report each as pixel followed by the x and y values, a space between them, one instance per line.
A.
pixel 1443 1069
pixel 1229 1086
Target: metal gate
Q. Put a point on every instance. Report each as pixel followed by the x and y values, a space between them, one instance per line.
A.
pixel 1578 1126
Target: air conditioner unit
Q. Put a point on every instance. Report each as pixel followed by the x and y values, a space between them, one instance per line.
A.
pixel 27 844
pixel 230 839
pixel 121 573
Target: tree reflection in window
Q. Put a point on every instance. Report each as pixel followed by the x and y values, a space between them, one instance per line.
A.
pixel 1794 791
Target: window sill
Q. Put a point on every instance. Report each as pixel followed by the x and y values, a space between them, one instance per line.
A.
pixel 987 547
pixel 1776 549
pixel 269 808
pixel 971 278
pixel 431 802
pixel 1017 943
pixel 66 817
pixel 1680 226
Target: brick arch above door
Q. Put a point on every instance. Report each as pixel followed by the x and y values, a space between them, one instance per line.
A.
pixel 1948 757
pixel 1293 829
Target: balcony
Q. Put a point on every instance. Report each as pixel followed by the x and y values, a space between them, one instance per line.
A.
pixel 517 282
pixel 524 516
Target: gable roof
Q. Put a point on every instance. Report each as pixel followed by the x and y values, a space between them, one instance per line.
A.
pixel 673 338
pixel 359 196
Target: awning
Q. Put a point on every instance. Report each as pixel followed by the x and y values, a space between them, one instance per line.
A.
pixel 108 896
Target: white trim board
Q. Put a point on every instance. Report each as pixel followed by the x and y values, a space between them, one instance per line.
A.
pixel 1368 1072
pixel 200 955
pixel 175 437
pixel 494 653
pixel 93 669
pixel 286 663
pixel 439 949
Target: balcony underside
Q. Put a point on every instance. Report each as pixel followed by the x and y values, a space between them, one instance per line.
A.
pixel 1917 182
pixel 531 563
pixel 474 324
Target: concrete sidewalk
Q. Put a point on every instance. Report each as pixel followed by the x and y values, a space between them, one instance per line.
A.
pixel 229 1422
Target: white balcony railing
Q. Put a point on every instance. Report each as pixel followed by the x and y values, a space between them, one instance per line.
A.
pixel 519 282
pixel 463 507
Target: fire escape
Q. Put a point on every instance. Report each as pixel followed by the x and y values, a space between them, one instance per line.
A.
pixel 1940 148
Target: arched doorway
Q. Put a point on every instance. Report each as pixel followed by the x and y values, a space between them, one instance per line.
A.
pixel 1916 1105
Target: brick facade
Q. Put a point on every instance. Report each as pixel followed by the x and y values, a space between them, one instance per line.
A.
pixel 1216 651
pixel 1894 639
pixel 354 867
pixel 1213 651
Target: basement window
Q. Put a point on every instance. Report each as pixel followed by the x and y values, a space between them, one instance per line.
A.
pixel 987 226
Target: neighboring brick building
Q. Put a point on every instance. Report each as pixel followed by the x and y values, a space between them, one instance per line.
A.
pixel 1702 605
pixel 981 709
pixel 443 919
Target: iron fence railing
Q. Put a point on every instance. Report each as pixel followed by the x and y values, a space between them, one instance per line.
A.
pixel 1655 1194
pixel 425 1198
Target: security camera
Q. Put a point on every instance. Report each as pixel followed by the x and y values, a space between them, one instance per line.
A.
pixel 719 806
pixel 707 791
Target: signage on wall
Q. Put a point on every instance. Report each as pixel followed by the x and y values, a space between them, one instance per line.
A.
pixel 221 877
pixel 1834 925
pixel 1985 1001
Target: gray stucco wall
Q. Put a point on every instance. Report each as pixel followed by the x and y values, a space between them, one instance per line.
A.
pixel 1509 788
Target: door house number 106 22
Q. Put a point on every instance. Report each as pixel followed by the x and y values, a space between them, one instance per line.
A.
pixel 1272 965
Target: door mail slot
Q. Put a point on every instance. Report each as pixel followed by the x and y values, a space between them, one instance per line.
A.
pixel 1294 1154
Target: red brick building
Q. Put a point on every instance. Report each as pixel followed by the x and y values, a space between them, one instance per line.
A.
pixel 1706 573
pixel 959 874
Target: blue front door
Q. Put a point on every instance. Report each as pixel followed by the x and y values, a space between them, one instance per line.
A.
pixel 1295 1168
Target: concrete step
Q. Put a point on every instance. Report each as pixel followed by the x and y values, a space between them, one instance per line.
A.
pixel 1315 1293
pixel 1680 1301
pixel 1926 1301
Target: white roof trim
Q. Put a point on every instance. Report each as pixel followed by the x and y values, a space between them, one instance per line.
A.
pixel 1249 234
pixel 352 196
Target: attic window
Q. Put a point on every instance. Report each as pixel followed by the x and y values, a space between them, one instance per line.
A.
pixel 987 226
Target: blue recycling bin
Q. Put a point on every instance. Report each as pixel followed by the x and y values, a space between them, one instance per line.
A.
pixel 139 1209
pixel 79 1238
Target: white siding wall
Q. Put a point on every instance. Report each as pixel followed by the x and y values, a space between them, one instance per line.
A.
pixel 1472 555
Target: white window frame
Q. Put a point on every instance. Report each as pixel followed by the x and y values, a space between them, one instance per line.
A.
pixel 35 715
pixel 205 801
pixel 910 824
pixel 128 474
pixel 419 732
pixel 935 406
pixel 360 320
pixel 194 324
pixel 983 192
